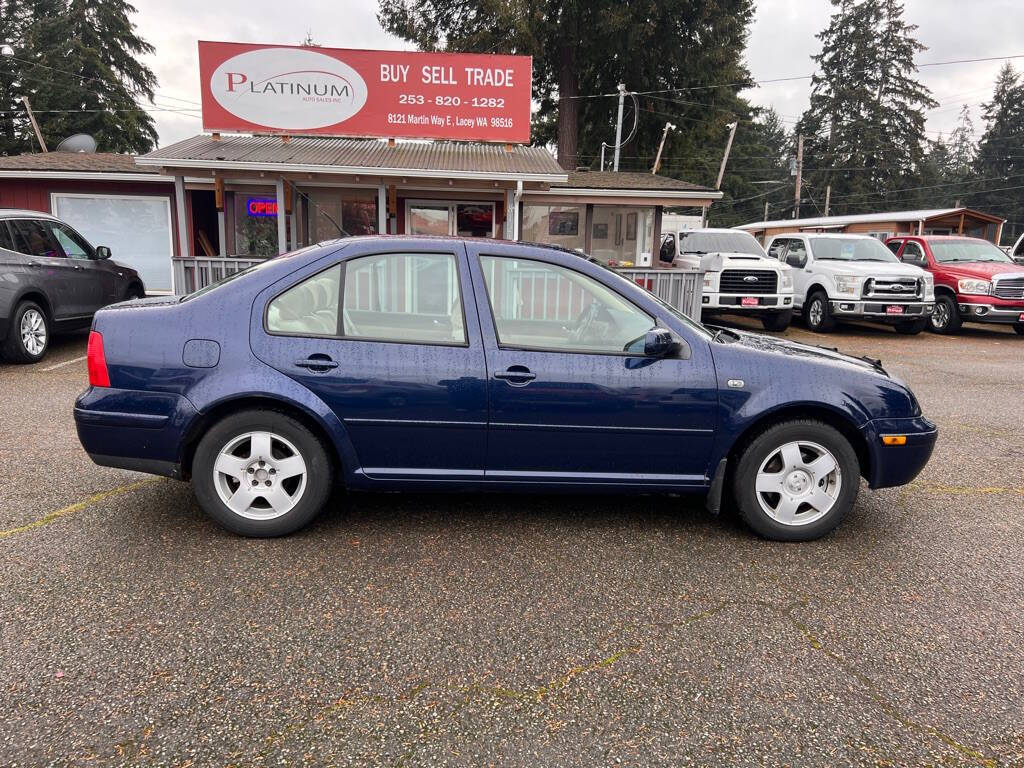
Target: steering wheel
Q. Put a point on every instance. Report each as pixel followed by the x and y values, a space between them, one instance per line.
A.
pixel 584 321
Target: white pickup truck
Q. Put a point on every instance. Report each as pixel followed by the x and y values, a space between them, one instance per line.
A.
pixel 841 276
pixel 738 275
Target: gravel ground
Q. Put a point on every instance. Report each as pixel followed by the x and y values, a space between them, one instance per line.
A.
pixel 526 630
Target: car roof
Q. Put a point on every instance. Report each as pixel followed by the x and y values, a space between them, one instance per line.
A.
pixel 830 235
pixel 716 230
pixel 20 213
pixel 942 237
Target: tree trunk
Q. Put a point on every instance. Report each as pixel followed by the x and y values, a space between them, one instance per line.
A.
pixel 568 87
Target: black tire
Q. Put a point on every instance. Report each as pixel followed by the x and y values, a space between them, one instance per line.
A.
pixel 777 321
pixel 14 347
pixel 134 292
pixel 911 327
pixel 319 474
pixel 1019 328
pixel 763 447
pixel 946 320
pixel 811 313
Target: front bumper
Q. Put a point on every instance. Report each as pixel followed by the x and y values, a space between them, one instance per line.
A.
pixel 127 429
pixel 893 465
pixel 878 310
pixel 979 312
pixel 732 302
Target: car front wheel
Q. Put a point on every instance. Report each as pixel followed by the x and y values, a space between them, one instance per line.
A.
pixel 29 334
pixel 911 327
pixel 818 315
pixel 945 316
pixel 1019 328
pixel 796 480
pixel 261 473
pixel 777 321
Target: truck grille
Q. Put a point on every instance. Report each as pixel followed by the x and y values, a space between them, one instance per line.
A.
pixel 892 288
pixel 739 281
pixel 1009 288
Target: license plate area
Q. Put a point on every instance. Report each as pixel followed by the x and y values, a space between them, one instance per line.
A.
pixel 750 301
pixel 894 309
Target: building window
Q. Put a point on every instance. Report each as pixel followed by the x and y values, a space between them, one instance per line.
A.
pixel 554 224
pixel 354 210
pixel 622 235
pixel 256 222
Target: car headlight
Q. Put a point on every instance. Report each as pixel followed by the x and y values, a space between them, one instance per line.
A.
pixel 974 286
pixel 787 281
pixel 709 281
pixel 929 286
pixel 848 284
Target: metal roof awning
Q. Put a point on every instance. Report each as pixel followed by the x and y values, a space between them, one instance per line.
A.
pixel 443 160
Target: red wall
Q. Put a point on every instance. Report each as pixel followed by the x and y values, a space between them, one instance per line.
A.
pixel 34 194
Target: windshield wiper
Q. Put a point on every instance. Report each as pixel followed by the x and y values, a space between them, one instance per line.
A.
pixel 719 331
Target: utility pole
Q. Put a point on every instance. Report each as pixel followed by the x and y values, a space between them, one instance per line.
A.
pixel 766 210
pixel 828 197
pixel 799 175
pixel 618 127
pixel 35 125
pixel 664 135
pixel 725 157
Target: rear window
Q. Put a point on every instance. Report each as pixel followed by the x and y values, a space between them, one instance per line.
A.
pixel 5 237
pixel 851 249
pixel 719 242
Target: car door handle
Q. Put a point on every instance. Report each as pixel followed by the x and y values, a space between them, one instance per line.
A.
pixel 516 375
pixel 317 363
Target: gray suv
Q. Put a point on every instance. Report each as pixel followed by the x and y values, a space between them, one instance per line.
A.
pixel 52 280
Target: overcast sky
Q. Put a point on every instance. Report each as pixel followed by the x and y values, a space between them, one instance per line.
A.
pixel 782 39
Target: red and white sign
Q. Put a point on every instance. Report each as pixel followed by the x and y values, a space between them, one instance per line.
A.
pixel 335 92
pixel 749 301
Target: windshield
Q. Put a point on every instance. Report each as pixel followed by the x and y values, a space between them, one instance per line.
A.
pixel 851 249
pixel 946 251
pixel 719 242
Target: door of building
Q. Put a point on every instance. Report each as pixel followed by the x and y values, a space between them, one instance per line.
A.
pixel 444 218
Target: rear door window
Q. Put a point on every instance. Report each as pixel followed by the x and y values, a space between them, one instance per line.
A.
pixel 309 308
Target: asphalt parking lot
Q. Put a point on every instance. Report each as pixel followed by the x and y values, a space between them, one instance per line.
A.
pixel 519 630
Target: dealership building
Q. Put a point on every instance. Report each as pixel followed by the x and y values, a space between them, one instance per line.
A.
pixel 285 162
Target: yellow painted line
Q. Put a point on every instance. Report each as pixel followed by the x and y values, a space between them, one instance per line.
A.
pixel 70 510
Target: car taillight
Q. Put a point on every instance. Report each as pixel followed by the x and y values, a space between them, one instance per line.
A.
pixel 98 376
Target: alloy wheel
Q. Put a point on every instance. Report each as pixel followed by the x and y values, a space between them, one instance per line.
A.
pixel 940 315
pixel 259 475
pixel 33 332
pixel 816 313
pixel 798 483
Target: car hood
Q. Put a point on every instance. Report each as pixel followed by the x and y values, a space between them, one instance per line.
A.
pixel 874 268
pixel 721 260
pixel 828 356
pixel 980 269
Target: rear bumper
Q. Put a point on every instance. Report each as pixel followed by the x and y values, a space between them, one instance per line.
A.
pixel 127 429
pixel 893 465
pixel 982 312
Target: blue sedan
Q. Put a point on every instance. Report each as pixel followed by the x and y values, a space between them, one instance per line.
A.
pixel 447 364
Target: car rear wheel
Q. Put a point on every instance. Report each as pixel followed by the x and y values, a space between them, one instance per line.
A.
pixel 777 321
pixel 946 316
pixel 134 292
pixel 911 327
pixel 796 480
pixel 29 335
pixel 261 473
pixel 817 313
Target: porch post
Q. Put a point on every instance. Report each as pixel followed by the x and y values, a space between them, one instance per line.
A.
pixel 282 229
pixel 509 230
pixel 222 234
pixel 179 206
pixel 382 210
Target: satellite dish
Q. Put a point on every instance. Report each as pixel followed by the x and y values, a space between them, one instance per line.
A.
pixel 80 142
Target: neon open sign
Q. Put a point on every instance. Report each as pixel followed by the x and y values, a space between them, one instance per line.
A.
pixel 262 206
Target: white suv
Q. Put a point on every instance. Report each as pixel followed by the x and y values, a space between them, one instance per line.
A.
pixel 854 276
pixel 738 275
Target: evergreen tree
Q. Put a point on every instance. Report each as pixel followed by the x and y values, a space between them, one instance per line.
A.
pixel 14 126
pixel 1000 157
pixel 962 148
pixel 864 129
pixel 80 67
pixel 583 48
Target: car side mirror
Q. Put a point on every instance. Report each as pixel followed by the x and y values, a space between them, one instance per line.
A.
pixel 102 252
pixel 660 342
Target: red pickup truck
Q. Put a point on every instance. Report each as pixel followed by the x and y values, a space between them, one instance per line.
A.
pixel 974 280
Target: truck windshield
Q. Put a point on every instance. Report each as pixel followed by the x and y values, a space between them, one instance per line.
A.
pixel 851 249
pixel 946 251
pixel 719 242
